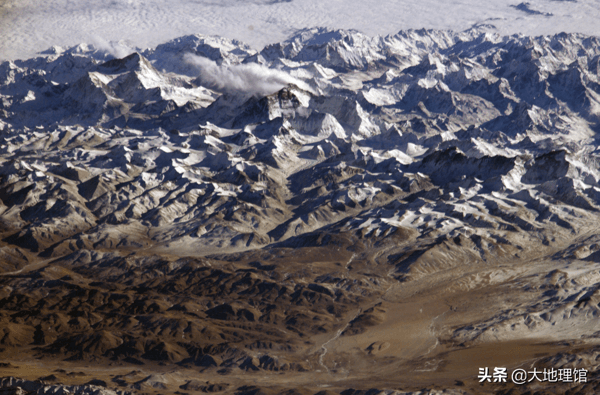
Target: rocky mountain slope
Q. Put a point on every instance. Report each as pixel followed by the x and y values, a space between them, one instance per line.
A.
pixel 336 208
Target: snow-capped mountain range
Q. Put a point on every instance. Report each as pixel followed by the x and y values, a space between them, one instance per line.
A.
pixel 433 150
pixel 211 145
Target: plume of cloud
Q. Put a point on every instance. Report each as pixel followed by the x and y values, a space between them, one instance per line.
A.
pixel 250 79
pixel 116 49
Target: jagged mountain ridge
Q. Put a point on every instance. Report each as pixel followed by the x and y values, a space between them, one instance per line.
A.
pixel 379 112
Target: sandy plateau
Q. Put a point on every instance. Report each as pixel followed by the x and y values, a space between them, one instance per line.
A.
pixel 333 214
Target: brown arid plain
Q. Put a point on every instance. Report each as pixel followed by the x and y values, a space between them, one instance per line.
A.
pixel 314 319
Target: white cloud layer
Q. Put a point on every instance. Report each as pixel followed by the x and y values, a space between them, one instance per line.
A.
pixel 30 26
